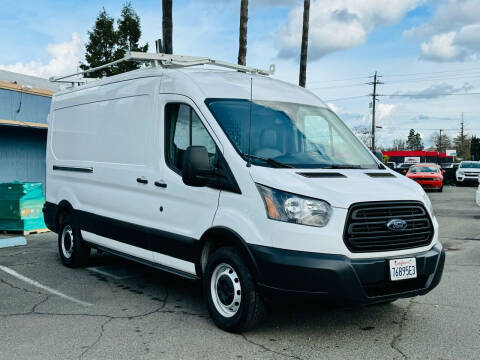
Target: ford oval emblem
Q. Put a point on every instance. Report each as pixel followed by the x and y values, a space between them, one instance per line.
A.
pixel 397 225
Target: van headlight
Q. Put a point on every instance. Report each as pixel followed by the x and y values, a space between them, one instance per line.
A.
pixel 292 208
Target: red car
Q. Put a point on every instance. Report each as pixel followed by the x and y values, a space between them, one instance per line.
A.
pixel 429 176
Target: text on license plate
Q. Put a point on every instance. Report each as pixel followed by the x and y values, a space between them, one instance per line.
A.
pixel 401 269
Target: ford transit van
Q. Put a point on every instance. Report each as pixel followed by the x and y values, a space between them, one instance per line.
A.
pixel 249 184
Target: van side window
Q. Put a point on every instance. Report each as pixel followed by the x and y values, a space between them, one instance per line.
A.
pixel 183 128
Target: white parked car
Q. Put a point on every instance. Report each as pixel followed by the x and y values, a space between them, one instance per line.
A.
pixel 468 172
pixel 261 193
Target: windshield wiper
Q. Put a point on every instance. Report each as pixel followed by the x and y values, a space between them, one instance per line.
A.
pixel 269 161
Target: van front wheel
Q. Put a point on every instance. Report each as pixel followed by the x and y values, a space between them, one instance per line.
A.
pixel 232 299
pixel 73 250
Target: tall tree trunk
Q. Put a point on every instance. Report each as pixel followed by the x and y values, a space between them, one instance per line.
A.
pixel 167 26
pixel 302 79
pixel 242 40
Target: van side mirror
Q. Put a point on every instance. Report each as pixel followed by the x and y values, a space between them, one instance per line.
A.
pixel 379 155
pixel 196 166
pixel 443 171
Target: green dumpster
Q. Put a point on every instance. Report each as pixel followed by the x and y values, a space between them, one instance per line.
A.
pixel 21 206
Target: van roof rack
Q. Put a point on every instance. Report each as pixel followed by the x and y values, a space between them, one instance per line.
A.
pixel 166 61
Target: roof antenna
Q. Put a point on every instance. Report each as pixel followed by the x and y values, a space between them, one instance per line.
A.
pixel 250 124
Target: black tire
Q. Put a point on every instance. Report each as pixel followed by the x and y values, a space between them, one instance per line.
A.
pixel 251 310
pixel 72 253
pixel 441 189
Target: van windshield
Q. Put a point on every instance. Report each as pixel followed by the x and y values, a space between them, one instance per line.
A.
pixel 470 164
pixel 423 169
pixel 292 135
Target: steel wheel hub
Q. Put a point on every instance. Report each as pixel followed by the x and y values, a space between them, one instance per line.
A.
pixel 67 241
pixel 226 290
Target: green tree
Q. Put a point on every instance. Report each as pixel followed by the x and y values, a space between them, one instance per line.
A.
pixel 399 144
pixel 414 141
pixel 475 148
pixel 128 36
pixel 441 143
pixel 106 44
pixel 100 48
pixel 462 144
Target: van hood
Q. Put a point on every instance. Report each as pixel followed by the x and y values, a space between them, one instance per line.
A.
pixel 469 170
pixel 340 187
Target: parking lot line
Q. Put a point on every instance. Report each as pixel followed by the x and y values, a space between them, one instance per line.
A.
pixel 41 286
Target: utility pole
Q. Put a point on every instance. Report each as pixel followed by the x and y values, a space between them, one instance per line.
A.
pixel 440 142
pixel 302 77
pixel 461 134
pixel 167 26
pixel 374 100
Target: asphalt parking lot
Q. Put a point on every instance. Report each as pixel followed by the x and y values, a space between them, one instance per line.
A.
pixel 115 309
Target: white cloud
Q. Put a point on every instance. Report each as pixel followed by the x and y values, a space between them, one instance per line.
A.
pixel 385 111
pixel 338 24
pixel 65 57
pixel 441 48
pixel 436 91
pixel 453 34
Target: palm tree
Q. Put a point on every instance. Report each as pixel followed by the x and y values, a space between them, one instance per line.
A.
pixel 167 26
pixel 303 56
pixel 242 43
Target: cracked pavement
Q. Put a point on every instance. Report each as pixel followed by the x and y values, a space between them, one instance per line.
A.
pixel 143 313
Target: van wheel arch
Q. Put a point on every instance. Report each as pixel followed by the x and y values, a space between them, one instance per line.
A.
pixel 64 208
pixel 217 237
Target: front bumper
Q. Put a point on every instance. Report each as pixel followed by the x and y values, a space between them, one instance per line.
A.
pixel 469 179
pixel 430 184
pixel 340 279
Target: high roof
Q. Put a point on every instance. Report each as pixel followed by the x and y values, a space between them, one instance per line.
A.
pixel 212 83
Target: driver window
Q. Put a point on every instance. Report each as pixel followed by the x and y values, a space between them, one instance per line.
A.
pixel 184 128
pixel 318 133
pixel 322 136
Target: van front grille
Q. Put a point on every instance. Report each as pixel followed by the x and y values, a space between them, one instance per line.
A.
pixel 366 227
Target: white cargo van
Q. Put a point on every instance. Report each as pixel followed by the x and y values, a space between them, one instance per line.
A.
pixel 250 184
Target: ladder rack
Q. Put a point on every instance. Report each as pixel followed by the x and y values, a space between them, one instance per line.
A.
pixel 167 61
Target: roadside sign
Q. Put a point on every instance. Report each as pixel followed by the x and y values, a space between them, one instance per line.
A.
pixel 451 152
pixel 412 159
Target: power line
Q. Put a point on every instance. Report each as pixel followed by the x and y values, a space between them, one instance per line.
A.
pixel 429 96
pixel 336 87
pixel 466 76
pixel 460 71
pixel 414 80
pixel 348 98
pixel 335 80
pixel 434 72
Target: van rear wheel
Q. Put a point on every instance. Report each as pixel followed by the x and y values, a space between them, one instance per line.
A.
pixel 73 250
pixel 230 293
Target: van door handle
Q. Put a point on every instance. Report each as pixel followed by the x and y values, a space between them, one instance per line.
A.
pixel 142 180
pixel 160 184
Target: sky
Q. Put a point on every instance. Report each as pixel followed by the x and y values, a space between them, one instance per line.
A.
pixel 427 52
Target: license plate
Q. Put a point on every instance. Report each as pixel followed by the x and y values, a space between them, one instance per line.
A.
pixel 401 269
